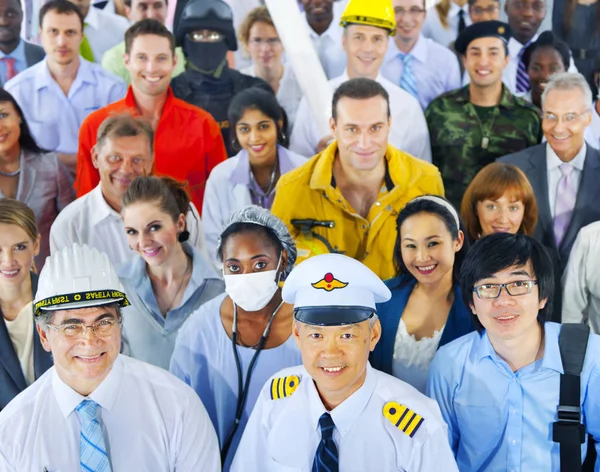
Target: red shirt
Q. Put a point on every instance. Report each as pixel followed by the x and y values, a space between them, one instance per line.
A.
pixel 187 144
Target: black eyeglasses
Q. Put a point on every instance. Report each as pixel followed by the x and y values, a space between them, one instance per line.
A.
pixel 515 289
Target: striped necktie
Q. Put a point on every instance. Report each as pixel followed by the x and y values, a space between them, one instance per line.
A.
pixel 566 195
pixel 326 457
pixel 92 448
pixel 523 83
pixel 408 81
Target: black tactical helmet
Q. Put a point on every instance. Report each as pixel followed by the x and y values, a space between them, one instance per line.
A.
pixel 207 14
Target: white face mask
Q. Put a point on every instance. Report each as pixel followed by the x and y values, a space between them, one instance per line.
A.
pixel 252 292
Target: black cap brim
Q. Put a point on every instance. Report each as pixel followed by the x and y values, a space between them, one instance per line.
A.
pixel 333 315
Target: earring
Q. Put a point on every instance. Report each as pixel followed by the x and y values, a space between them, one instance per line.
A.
pixel 183 236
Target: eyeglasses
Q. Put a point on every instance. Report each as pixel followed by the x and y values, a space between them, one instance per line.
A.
pixel 567 117
pixel 258 42
pixel 514 289
pixel 412 12
pixel 489 10
pixel 101 328
pixel 206 36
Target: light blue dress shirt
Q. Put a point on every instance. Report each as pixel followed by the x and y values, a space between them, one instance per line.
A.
pixel 20 63
pixel 435 67
pixel 53 117
pixel 499 420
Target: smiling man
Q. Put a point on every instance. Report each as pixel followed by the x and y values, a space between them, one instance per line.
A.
pixel 499 387
pixel 335 412
pixel 474 125
pixel 97 410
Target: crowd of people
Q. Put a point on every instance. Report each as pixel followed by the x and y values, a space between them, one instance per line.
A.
pixel 195 276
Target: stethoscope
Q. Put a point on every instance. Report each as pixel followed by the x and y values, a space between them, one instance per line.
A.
pixel 243 388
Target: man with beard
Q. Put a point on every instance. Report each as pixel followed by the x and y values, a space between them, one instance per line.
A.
pixel 16 55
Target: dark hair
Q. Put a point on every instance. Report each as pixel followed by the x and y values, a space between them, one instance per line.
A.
pixel 499 251
pixel 147 27
pixel 416 207
pixel 359 89
pixel 258 230
pixel 26 139
pixel 124 125
pixel 170 195
pixel 128 3
pixel 254 98
pixel 62 7
pixel 548 40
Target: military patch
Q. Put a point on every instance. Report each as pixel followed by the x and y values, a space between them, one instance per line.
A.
pixel 501 30
pixel 403 418
pixel 329 283
pixel 282 387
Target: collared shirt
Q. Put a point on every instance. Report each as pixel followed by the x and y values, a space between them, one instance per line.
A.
pixel 289 93
pixel 553 164
pixel 90 220
pixel 103 31
pixel 500 420
pixel 444 35
pixel 329 44
pixel 284 434
pixel 20 62
pixel 151 421
pixel 187 144
pixel 429 58
pixel 408 132
pixel 113 61
pixel 41 98
pixel 581 280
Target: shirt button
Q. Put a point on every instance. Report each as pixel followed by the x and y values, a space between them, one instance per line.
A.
pixel 514 442
pixel 364 226
pixel 378 203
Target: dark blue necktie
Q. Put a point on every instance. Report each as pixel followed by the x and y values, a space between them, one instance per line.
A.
pixel 326 457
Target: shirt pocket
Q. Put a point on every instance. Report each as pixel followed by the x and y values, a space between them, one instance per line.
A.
pixel 481 427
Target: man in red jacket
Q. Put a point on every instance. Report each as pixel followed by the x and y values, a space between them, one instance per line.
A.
pixel 188 141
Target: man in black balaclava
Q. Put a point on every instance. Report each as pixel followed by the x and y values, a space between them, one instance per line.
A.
pixel 205 33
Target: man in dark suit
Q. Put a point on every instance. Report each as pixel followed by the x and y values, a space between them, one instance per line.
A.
pixel 12 378
pixel 16 54
pixel 565 171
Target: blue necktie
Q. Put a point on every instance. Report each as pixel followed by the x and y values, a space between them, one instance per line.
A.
pixel 523 84
pixel 408 82
pixel 92 449
pixel 326 457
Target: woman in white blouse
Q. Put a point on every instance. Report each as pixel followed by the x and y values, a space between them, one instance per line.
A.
pixel 445 20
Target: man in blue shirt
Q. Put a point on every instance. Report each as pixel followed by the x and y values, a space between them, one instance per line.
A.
pixel 498 388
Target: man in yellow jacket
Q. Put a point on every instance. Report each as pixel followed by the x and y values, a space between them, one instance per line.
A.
pixel 346 198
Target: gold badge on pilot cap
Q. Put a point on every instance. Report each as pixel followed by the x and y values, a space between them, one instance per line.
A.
pixel 329 283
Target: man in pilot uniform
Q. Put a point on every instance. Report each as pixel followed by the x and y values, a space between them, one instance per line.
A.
pixel 335 412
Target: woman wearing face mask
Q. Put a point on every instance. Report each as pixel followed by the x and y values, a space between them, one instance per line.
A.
pixel 499 199
pixel 22 358
pixel 231 345
pixel 252 175
pixel 168 278
pixel 426 310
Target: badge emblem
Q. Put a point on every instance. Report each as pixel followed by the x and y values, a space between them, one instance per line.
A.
pixel 329 283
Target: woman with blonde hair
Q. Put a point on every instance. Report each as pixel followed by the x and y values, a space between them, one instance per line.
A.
pixel 445 20
pixel 22 358
pixel 499 199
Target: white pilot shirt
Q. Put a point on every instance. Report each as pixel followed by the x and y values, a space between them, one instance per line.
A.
pixel 151 420
pixel 283 434
pixel 408 132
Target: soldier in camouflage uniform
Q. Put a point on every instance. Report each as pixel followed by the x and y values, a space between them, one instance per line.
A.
pixel 472 126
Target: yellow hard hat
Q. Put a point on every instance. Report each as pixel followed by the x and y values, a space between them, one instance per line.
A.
pixel 378 13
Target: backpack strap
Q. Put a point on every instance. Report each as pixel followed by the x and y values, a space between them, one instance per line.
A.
pixel 568 430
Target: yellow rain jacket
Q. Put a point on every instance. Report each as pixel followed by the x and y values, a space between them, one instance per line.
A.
pixel 306 193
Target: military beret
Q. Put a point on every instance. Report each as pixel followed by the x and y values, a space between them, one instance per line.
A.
pixel 484 29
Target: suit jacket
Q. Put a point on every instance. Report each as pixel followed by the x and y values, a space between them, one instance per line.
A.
pixel 12 379
pixel 33 54
pixel 532 161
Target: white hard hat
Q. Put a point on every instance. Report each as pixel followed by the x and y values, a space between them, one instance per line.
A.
pixel 78 277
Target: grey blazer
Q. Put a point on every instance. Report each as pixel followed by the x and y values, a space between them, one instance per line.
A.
pixel 46 186
pixel 12 379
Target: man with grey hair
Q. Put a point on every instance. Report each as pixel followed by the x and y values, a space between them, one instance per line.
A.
pixel 123 151
pixel 98 410
pixel 564 172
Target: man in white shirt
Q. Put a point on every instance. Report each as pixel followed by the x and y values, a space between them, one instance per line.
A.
pixel 323 25
pixel 103 30
pixel 414 62
pixel 366 37
pixel 335 412
pixel 122 152
pixel 98 410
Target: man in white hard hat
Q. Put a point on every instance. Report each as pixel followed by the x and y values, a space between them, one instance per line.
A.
pixel 97 410
pixel 336 413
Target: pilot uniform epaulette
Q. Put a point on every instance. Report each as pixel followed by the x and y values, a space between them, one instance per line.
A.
pixel 282 387
pixel 403 418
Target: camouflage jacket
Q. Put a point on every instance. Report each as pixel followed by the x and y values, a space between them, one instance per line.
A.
pixel 458 143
